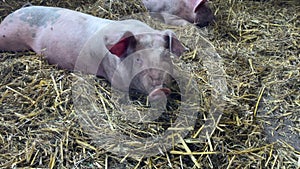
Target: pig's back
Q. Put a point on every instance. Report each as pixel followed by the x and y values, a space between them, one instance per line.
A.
pixel 57 33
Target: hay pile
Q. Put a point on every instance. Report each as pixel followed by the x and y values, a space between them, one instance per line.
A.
pixel 258 42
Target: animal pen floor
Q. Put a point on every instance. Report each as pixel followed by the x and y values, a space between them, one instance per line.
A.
pixel 256 95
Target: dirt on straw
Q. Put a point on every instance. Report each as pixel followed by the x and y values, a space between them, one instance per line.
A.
pixel 256 93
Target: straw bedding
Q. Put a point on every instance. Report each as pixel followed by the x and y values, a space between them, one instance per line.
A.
pixel 248 84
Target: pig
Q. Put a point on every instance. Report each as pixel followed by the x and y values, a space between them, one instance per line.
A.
pixel 181 12
pixel 119 51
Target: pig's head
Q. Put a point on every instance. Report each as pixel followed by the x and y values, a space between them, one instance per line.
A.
pixel 143 61
pixel 202 14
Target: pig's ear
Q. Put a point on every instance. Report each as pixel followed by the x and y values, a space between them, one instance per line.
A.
pixel 120 44
pixel 196 4
pixel 173 44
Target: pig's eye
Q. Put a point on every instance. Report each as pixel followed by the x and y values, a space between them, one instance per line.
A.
pixel 139 61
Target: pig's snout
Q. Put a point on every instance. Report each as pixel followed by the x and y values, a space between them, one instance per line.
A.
pixel 152 82
pixel 156 77
pixel 158 94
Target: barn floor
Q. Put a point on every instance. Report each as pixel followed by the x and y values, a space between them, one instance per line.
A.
pixel 258 95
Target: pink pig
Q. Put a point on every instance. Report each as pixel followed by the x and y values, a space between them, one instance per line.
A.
pixel 124 52
pixel 182 12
